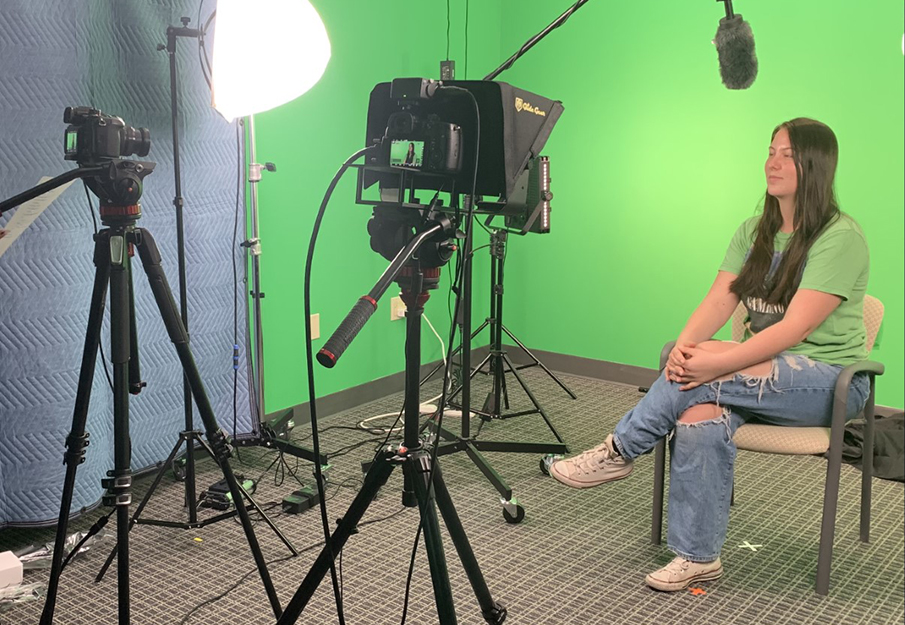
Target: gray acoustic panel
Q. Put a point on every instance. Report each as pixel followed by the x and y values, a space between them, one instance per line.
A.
pixel 103 54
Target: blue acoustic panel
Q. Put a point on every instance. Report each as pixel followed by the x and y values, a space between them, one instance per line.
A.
pixel 103 53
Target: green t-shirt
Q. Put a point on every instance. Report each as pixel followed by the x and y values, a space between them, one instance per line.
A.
pixel 838 263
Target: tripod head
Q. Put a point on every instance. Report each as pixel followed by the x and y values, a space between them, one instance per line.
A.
pixel 117 183
pixel 400 235
pixel 97 142
pixel 119 190
pixel 392 227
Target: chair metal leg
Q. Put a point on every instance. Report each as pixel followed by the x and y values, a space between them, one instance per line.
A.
pixel 656 530
pixel 830 500
pixel 867 463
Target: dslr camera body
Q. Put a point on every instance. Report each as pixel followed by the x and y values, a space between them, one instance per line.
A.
pixel 93 137
pixel 426 143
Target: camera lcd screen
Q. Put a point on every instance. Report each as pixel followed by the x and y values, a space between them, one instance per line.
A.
pixel 404 153
pixel 71 141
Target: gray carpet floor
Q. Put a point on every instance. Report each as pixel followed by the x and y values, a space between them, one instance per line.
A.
pixel 577 557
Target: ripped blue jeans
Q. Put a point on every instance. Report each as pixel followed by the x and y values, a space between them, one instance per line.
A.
pixel 797 392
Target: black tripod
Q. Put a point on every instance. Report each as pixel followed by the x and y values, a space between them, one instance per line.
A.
pixel 424 484
pixel 118 184
pixel 497 360
pixel 513 512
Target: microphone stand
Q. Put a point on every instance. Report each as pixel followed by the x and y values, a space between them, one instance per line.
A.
pixel 559 21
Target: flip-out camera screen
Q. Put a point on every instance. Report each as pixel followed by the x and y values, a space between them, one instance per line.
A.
pixel 404 153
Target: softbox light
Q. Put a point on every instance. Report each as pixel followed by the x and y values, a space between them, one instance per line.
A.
pixel 266 53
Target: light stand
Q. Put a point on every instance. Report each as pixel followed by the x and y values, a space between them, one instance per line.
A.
pixel 497 360
pixel 272 433
pixel 512 510
pixel 189 436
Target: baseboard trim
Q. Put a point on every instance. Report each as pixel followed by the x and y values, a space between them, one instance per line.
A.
pixel 363 393
pixel 559 363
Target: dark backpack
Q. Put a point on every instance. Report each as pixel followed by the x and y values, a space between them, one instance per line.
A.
pixel 889 445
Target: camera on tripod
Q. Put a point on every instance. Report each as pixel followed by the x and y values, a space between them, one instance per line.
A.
pixel 474 137
pixel 430 144
pixel 99 142
pixel 93 137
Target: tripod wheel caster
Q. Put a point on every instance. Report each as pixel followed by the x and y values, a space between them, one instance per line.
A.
pixel 514 517
pixel 548 460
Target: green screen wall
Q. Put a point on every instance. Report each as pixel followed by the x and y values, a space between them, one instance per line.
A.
pixel 654 165
pixel 308 140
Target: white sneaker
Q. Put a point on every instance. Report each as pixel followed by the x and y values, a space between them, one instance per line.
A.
pixel 593 467
pixel 680 573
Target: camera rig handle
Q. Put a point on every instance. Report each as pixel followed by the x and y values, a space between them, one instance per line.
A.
pixel 366 305
pixel 53 183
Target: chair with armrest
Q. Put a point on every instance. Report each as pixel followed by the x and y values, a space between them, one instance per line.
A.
pixel 776 439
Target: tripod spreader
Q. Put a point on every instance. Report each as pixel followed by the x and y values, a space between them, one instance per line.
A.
pixel 367 304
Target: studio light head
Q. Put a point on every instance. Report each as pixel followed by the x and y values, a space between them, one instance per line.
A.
pixel 93 137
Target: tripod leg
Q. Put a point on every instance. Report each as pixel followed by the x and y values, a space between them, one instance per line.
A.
pixel 119 481
pixel 150 258
pixel 163 468
pixel 539 363
pixel 418 467
pixel 533 400
pixel 78 438
pixel 374 480
pixel 492 611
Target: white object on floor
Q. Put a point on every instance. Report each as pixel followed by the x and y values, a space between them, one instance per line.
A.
pixel 10 569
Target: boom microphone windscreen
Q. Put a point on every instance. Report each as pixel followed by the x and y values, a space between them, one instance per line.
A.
pixel 734 43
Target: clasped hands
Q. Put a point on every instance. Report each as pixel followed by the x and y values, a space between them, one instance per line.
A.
pixel 691 366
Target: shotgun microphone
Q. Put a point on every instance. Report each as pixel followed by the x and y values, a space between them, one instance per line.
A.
pixel 734 43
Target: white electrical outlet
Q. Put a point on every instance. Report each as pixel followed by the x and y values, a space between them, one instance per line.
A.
pixel 315 326
pixel 397 309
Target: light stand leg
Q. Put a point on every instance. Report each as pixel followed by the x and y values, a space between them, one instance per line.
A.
pixel 78 438
pixel 498 361
pixel 150 258
pixel 538 363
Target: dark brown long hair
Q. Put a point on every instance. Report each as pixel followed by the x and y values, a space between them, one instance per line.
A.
pixel 815 151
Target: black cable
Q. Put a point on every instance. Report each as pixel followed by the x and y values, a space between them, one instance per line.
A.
pixel 408 578
pixel 342 451
pixel 100 344
pixel 98 526
pixel 448 22
pixel 465 71
pixel 242 579
pixel 312 394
